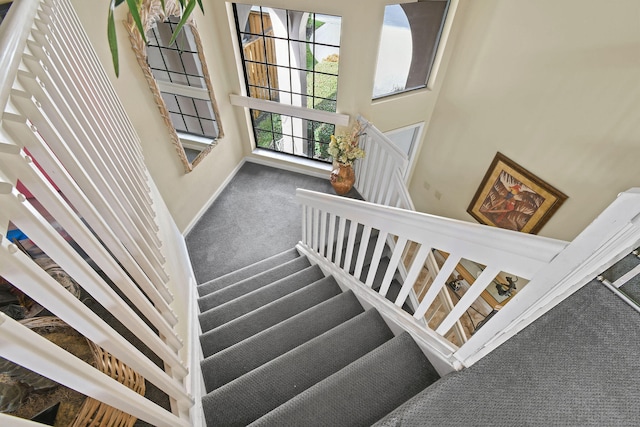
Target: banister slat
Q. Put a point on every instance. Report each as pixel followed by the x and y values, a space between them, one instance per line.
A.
pixel 29 220
pixel 377 256
pixel 34 352
pixel 364 244
pixel 412 275
pixel 316 229
pixel 472 294
pixel 351 241
pixel 113 233
pixel 340 240
pixel 331 236
pixel 393 266
pixel 322 248
pixel 438 283
pixel 19 269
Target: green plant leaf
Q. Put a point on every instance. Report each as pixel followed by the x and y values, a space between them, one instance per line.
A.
pixel 135 14
pixel 162 4
pixel 183 19
pixel 200 4
pixel 113 40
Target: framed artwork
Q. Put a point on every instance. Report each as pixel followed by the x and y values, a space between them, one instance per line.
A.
pixel 511 197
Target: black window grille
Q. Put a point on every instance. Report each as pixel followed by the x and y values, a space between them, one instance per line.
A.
pixel 296 65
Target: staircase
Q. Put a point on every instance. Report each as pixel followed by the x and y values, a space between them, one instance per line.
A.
pixel 283 345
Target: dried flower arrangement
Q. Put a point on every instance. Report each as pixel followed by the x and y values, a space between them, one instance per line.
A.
pixel 344 147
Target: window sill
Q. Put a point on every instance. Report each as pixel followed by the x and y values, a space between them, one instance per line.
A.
pixel 290 163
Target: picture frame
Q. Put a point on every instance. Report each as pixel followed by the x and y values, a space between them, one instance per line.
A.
pixel 511 197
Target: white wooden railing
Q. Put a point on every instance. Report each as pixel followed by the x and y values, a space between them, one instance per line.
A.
pixel 379 179
pixel 376 173
pixel 554 269
pixel 61 117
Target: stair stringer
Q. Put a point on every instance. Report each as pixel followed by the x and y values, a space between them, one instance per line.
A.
pixel 440 352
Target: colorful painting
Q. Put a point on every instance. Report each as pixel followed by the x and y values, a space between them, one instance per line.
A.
pixel 513 198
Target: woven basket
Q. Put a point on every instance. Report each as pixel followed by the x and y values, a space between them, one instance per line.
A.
pixel 93 412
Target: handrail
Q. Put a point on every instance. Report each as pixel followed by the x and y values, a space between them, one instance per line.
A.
pixel 404 198
pixel 481 243
pixel 392 149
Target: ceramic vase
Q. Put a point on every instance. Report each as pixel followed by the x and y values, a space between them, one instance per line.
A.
pixel 342 178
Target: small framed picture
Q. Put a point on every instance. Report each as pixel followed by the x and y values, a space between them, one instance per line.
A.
pixel 511 197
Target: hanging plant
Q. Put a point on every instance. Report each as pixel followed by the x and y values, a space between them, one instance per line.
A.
pixel 186 6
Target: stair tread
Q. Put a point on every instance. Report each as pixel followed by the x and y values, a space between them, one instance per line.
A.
pixel 250 270
pixel 263 389
pixel 250 284
pixel 209 299
pixel 256 299
pixel 259 349
pixel 362 392
pixel 228 334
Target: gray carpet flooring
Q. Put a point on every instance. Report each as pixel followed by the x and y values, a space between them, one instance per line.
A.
pixel 578 365
pixel 258 206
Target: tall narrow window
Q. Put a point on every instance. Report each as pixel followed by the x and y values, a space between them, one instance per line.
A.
pixel 292 58
pixel 408 45
pixel 178 72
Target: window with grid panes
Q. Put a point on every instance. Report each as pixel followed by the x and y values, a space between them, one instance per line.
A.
pixel 178 72
pixel 290 57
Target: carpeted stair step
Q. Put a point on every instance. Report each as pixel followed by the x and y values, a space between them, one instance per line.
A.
pixel 253 352
pixel 263 389
pixel 217 339
pixel 363 392
pixel 233 309
pixel 250 284
pixel 248 271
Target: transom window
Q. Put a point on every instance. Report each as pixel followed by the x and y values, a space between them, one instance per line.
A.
pixel 292 58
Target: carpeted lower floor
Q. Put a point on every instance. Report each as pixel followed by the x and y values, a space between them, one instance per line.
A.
pixel 254 217
pixel 578 365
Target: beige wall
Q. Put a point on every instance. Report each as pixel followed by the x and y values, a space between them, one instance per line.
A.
pixel 184 194
pixel 555 86
pixel 552 84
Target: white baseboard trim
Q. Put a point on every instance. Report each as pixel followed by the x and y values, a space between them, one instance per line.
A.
pixel 212 199
pixel 289 163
